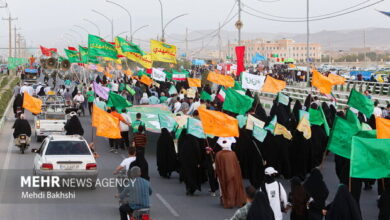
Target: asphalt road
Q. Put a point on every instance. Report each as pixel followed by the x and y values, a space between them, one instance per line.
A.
pixel 168 201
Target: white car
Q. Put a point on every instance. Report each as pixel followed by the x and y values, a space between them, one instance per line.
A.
pixel 65 156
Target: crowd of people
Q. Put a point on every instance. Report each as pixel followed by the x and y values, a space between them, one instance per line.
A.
pixel 225 162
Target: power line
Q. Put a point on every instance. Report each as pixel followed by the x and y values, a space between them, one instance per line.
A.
pixel 224 23
pixel 315 19
pixel 317 16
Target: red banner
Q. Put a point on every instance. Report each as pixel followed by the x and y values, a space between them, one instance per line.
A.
pixel 240 54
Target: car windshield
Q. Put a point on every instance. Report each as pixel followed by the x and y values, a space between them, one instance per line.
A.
pixel 67 148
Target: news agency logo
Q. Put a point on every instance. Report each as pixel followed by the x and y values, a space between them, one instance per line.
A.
pixel 71 182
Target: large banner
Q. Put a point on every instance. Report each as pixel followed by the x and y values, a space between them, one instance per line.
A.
pixel 253 82
pixel 136 56
pixel 99 47
pixel 163 52
pixel 13 62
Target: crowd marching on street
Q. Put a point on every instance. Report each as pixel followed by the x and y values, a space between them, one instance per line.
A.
pixel 285 151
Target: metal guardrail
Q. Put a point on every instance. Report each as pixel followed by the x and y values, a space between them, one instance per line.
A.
pixel 376 88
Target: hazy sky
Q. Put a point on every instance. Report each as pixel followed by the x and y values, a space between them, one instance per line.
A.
pixel 45 21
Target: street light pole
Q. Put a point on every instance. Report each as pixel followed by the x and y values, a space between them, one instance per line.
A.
pixel 128 12
pixel 170 21
pixel 162 21
pixel 109 20
pixel 139 29
pixel 82 28
pixel 81 36
pixel 94 24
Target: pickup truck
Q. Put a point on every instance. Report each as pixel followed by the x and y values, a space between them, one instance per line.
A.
pixel 53 118
pixel 49 123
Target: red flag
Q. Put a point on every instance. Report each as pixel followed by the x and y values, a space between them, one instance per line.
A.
pixel 149 71
pixel 72 48
pixel 240 54
pixel 45 51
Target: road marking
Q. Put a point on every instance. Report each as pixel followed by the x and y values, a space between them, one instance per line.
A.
pixel 5 166
pixel 167 205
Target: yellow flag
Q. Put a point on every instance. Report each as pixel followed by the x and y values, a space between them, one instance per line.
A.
pixel 32 104
pixel 106 124
pixel 145 60
pixel 220 79
pixel 163 52
pixel 304 127
pixel 281 130
pixel 146 80
pixel 128 72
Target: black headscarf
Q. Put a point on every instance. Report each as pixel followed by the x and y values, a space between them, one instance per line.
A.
pixel 260 208
pixel 298 197
pixel 307 102
pixel 384 204
pixel 295 115
pixel 343 207
pixel 74 93
pixel 166 154
pixel 18 102
pixel 21 126
pixel 141 162
pixel 73 126
pixel 316 188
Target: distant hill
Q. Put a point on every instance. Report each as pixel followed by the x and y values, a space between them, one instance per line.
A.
pixel 376 38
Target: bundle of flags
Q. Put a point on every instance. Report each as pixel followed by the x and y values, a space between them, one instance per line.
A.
pixel 368 150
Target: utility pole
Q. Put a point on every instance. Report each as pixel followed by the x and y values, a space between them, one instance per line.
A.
pixel 186 43
pixel 10 19
pixel 307 42
pixel 219 43
pixel 15 41
pixel 364 48
pixel 239 23
pixel 19 46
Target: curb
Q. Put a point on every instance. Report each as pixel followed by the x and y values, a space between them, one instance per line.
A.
pixel 2 120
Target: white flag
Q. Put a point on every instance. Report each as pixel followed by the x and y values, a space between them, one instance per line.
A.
pixel 253 82
pixel 158 75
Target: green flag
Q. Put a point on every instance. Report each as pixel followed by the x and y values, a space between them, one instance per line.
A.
pixel 361 103
pixel 242 119
pixel 370 158
pixel 317 117
pixel 259 133
pixel 73 56
pixel 128 46
pixel 167 121
pixel 194 127
pixel 169 75
pixel 271 126
pixel 99 47
pixel 84 54
pixel 205 96
pixel 172 90
pixel 117 101
pixel 237 86
pixel 237 103
pixel 130 90
pixel 341 136
pixel 283 99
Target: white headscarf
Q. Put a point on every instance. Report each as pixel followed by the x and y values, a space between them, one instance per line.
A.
pixel 226 142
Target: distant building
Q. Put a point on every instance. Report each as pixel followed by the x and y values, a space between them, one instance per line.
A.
pixel 280 49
